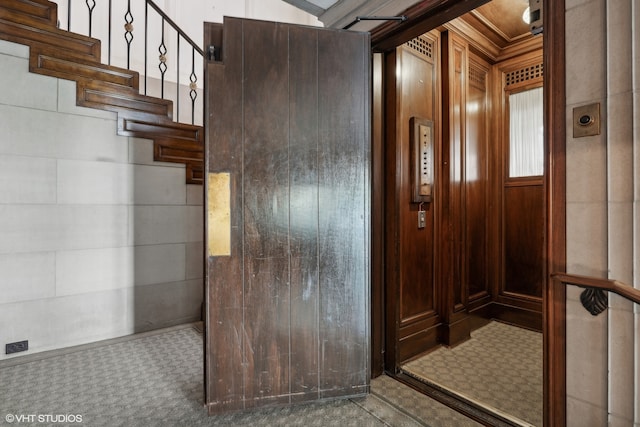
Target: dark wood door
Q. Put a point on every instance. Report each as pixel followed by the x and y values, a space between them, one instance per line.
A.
pixel 287 214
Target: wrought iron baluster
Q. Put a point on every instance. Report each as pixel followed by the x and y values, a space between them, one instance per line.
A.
pixel 91 4
pixel 162 66
pixel 178 77
pixel 128 34
pixel 146 44
pixel 193 94
pixel 109 41
pixel 69 15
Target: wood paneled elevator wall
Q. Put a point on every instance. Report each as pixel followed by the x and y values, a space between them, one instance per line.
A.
pixel 445 279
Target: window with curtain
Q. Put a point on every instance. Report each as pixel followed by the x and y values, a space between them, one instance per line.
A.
pixel 526 134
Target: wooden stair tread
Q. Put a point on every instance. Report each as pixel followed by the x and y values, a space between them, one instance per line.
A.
pixel 188 135
pixel 70 66
pixel 36 33
pixel 124 100
pixel 42 11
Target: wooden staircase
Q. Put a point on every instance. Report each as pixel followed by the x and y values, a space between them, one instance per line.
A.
pixel 65 55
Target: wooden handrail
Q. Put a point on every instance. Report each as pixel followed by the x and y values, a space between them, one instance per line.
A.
pixel 615 286
pixel 175 26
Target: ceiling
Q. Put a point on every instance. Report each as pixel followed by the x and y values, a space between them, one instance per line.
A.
pixel 500 20
pixel 340 13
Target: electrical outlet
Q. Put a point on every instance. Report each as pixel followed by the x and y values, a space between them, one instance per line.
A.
pixel 16 347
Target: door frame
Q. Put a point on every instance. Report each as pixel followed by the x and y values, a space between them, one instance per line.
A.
pixel 423 17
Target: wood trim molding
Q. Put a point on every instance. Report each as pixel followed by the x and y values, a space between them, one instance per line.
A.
pixel 377 218
pixel 483 45
pixel 554 297
pixel 489 49
pixel 521 47
pixel 421 18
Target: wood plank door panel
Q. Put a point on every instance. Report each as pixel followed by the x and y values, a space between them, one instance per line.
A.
pixel 303 176
pixel 265 192
pixel 344 106
pixel 288 121
pixel 224 304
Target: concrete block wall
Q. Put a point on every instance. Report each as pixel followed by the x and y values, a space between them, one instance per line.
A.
pixel 98 241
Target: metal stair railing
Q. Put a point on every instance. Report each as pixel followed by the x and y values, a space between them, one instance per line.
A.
pixel 174 65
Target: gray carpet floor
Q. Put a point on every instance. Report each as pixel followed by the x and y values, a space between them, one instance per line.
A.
pixel 156 379
pixel 500 367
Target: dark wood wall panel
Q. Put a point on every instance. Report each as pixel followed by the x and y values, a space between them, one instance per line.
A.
pixel 391 159
pixel 453 260
pixel 477 181
pixel 417 98
pixel 344 200
pixel 524 241
pixel 377 218
pixel 456 217
pixel 518 290
pixel 288 112
pixel 412 296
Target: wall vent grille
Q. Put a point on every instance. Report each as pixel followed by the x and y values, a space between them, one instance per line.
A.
pixel 477 77
pixel 422 46
pixel 524 74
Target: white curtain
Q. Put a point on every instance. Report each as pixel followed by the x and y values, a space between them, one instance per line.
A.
pixel 526 134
